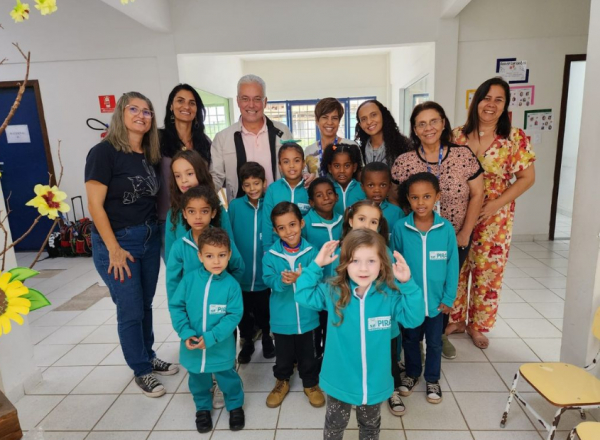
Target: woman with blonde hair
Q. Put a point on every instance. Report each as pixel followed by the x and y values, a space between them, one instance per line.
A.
pixel 122 182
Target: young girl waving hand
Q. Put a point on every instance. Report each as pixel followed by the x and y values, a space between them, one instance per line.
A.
pixel 365 299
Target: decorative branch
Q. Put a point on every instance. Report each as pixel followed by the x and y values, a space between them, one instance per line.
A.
pixel 37 257
pixel 17 102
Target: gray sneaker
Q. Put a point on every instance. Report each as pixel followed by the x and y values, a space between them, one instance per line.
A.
pixel 448 350
pixel 150 386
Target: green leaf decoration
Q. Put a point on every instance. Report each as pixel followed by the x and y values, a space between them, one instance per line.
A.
pixel 22 273
pixel 38 300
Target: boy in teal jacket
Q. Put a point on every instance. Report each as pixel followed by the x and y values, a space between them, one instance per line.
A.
pixel 292 325
pixel 246 215
pixel 205 310
pixel 376 294
pixel 290 188
pixel 376 182
pixel 428 243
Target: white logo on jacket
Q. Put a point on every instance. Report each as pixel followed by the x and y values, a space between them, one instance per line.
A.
pixel 380 323
pixel 217 309
pixel 438 255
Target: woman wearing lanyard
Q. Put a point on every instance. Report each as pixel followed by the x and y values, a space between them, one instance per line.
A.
pixel 328 113
pixel 457 169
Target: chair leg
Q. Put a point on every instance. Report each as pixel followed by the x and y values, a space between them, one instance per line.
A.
pixel 582 413
pixel 555 423
pixel 513 390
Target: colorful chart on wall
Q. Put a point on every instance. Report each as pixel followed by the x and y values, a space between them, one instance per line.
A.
pixel 522 96
pixel 512 71
pixel 539 120
pixel 469 97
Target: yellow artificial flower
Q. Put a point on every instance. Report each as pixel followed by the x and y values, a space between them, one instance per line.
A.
pixel 46 6
pixel 12 306
pixel 49 201
pixel 124 2
pixel 20 12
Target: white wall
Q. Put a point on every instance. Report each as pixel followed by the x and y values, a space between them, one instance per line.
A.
pixel 217 74
pixel 84 50
pixel 541 32
pixel 407 65
pixel 255 26
pixel 316 78
pixel 571 139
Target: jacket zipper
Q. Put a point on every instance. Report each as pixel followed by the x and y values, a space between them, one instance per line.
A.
pixel 292 261
pixel 204 317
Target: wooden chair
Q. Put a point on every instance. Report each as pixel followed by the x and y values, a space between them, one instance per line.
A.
pixel 563 385
pixel 586 431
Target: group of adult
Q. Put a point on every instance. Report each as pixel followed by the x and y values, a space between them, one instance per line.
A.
pixel 128 180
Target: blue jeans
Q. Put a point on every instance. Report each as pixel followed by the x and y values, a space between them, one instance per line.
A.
pixel 134 296
pixel 432 329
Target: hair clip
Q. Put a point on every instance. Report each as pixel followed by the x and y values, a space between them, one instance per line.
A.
pixel 290 141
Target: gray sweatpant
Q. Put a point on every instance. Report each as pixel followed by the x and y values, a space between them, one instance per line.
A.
pixel 337 417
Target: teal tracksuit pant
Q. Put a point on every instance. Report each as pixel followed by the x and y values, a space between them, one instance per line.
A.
pixel 229 382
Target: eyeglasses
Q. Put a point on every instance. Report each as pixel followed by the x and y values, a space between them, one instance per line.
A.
pixel 135 110
pixel 433 123
pixel 247 99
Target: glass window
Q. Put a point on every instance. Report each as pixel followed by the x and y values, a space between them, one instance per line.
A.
pixel 299 116
pixel 215 120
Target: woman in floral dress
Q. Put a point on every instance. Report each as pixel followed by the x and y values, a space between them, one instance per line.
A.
pixel 504 152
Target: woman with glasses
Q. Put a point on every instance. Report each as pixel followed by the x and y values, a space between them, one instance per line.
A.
pixel 183 130
pixel 457 169
pixel 504 153
pixel 122 183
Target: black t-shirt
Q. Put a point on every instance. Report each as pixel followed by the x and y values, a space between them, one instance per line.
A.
pixel 132 184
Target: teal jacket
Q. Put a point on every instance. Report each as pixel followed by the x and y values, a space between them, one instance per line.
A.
pixel 246 222
pixel 432 257
pixel 184 259
pixel 392 214
pixel 281 191
pixel 347 198
pixel 319 231
pixel 356 366
pixel 210 306
pixel 171 235
pixel 336 263
pixel 287 317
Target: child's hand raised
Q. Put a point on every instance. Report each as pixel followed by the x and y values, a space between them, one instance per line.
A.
pixel 400 268
pixel 290 277
pixel 326 255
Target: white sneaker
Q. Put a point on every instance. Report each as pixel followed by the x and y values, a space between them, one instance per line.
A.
pixel 218 399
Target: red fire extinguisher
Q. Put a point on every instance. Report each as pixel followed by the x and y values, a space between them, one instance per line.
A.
pixel 103 127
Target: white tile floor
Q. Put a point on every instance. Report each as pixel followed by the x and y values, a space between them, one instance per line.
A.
pixel 87 392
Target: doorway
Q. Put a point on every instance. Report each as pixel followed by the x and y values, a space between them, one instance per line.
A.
pixel 567 148
pixel 27 160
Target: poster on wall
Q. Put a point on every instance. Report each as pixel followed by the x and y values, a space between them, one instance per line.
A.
pixel 522 96
pixel 539 120
pixel 512 71
pixel 469 97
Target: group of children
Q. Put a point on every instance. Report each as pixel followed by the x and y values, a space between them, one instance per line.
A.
pixel 334 271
